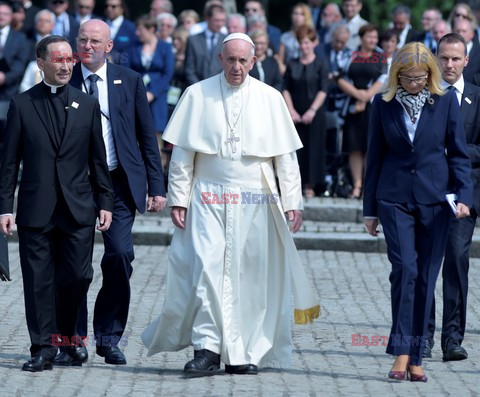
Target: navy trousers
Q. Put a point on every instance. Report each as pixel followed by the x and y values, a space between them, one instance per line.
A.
pixel 416 235
pixel 455 280
pixel 113 299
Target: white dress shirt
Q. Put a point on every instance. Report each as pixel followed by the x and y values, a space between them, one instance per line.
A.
pixel 102 85
pixel 115 25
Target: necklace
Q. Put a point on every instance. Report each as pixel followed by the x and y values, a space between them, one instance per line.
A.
pixel 232 139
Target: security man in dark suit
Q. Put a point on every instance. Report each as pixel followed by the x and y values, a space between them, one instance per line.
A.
pixel 452 57
pixel 55 130
pixel 135 167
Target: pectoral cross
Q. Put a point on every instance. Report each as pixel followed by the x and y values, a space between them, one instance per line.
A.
pixel 232 140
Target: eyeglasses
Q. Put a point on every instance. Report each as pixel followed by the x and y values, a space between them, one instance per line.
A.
pixel 457 15
pixel 416 80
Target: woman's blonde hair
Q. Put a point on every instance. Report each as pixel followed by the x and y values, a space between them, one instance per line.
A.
pixel 306 13
pixel 410 56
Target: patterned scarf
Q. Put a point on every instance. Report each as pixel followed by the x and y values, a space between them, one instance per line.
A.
pixel 413 103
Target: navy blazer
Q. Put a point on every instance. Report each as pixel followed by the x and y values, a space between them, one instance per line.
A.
pixel 159 74
pixel 124 39
pixel 15 54
pixel 469 110
pixel 422 171
pixel 133 131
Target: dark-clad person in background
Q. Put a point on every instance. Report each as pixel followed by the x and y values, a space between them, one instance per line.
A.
pixel 55 130
pixel 266 67
pixel 153 59
pixel 13 61
pixel 65 24
pixel 305 89
pixel 84 11
pixel 30 12
pixel 401 18
pixel 201 59
pixel 361 80
pixel 466 29
pixel 135 168
pixel 417 154
pixel 122 30
pixel 257 7
pixel 452 57
pixel 440 29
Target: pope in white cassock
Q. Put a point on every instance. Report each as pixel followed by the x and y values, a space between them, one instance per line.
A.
pixel 232 256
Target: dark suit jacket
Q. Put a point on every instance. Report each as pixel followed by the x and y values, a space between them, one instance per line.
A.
pixel 15 54
pixel 160 74
pixel 420 172
pixel 71 168
pixel 422 37
pixel 124 39
pixel 272 73
pixel 133 131
pixel 199 64
pixel 29 22
pixel 473 67
pixel 471 123
pixel 411 35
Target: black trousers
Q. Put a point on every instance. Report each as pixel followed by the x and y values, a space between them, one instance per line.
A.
pixel 56 262
pixel 113 299
pixel 416 235
pixel 455 280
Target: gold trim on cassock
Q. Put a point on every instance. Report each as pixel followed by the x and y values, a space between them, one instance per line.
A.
pixel 307 316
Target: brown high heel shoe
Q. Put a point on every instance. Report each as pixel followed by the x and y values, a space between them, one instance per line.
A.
pixel 398 375
pixel 416 377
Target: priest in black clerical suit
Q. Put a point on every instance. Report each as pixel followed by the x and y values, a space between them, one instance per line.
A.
pixel 56 131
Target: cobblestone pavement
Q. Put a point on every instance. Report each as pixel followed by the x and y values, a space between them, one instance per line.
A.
pixel 353 290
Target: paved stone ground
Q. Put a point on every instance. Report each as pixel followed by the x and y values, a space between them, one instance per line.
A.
pixel 353 290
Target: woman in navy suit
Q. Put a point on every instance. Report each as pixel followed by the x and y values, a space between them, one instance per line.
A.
pixel 154 60
pixel 416 155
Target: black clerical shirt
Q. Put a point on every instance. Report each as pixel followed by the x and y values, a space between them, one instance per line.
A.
pixel 56 105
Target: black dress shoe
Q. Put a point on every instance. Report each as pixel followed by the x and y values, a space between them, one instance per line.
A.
pixel 453 351
pixel 63 359
pixel 247 369
pixel 37 364
pixel 427 350
pixel 71 356
pixel 113 355
pixel 205 363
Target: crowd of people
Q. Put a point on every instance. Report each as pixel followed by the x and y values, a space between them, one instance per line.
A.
pixel 172 51
pixel 339 82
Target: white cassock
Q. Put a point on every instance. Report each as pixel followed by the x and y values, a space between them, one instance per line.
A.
pixel 229 270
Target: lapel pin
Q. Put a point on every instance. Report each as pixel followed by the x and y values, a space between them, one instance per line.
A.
pixel 468 100
pixel 431 101
pixel 74 105
pixel 117 81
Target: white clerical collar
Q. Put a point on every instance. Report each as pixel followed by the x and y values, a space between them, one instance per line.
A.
pixel 53 87
pixel 102 72
pixel 228 85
